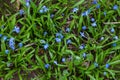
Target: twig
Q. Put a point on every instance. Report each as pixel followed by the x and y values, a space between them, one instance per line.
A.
pixel 31 44
pixel 111 22
pixel 18 4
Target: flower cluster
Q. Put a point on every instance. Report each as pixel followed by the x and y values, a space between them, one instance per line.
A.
pixel 45 44
pixel 16 29
pixel 93 22
pixel 12 43
pixel 59 37
pixel 44 9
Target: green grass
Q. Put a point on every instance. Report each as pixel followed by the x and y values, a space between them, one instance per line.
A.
pixel 88 63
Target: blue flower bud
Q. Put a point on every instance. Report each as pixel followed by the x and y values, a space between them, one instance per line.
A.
pixel 21 12
pixel 84 27
pixel 67 29
pixel 47 66
pixel 58 40
pixel 115 7
pixel 94 24
pixel 16 29
pixel 92 19
pixel 20 45
pixel 63 59
pixel 112 30
pixel 0 35
pixel 107 65
pixel 55 62
pixel 75 10
pixel 7 51
pixel 46 46
pixel 96 64
pixel 4 38
pixel 69 41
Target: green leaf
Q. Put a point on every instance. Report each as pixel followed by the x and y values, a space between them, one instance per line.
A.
pixel 115 62
pixel 91 77
pixel 89 57
pixel 41 63
pixel 3 47
pixel 78 3
pixel 113 74
pixel 12 1
pixel 92 67
pixel 10 74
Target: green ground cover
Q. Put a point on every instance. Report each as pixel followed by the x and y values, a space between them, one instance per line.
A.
pixel 61 40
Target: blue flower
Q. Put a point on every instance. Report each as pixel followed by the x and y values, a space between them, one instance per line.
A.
pixel 55 62
pixel 67 29
pixel 59 35
pixel 94 24
pixel 75 10
pixel 102 38
pixel 63 14
pixel 86 12
pixel 98 6
pixel 107 65
pixel 16 29
pixel 82 34
pixel 69 41
pixel 45 33
pixel 0 35
pixel 46 46
pixel 82 46
pixel 112 30
pixel 94 2
pixel 84 27
pixel 27 0
pixel 27 3
pixel 42 41
pixel 115 7
pixel 4 38
pixel 92 19
pixel 104 73
pixel 96 64
pixel 41 11
pixel 2 26
pixel 104 13
pixel 58 40
pixel 63 59
pixel 7 51
pixel 21 12
pixel 44 9
pixel 12 43
pixel 20 45
pixel 115 37
pixel 52 15
pixel 47 66
pixel 84 55
pixel 114 44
